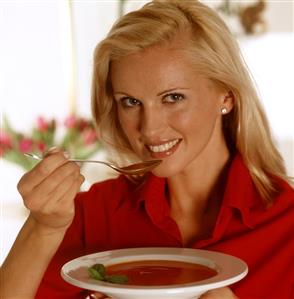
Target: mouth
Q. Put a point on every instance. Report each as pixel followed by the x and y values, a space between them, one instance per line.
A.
pixel 163 149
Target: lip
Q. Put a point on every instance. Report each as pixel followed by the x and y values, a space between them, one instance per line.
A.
pixel 164 154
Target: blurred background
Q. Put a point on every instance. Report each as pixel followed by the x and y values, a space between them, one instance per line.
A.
pixel 46 49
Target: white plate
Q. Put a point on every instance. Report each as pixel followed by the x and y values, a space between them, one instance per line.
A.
pixel 230 270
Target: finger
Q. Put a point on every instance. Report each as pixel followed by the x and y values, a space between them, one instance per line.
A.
pixel 40 172
pixel 71 185
pixel 51 150
pixel 98 296
pixel 53 188
pixel 65 202
pixel 219 293
pixel 48 165
pixel 56 179
pixel 58 215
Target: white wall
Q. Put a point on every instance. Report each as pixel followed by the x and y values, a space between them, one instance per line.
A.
pixel 31 53
pixel 32 69
pixel 33 82
pixel 280 15
pixel 32 75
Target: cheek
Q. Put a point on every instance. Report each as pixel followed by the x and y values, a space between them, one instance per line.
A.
pixel 196 120
pixel 128 122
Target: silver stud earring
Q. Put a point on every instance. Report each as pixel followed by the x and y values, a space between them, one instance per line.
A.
pixel 224 110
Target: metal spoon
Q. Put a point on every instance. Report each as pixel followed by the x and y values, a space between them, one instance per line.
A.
pixel 133 169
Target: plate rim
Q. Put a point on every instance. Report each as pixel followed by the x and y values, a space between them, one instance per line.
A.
pixel 219 258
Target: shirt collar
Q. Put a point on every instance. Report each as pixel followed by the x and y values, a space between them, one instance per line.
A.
pixel 152 188
pixel 240 192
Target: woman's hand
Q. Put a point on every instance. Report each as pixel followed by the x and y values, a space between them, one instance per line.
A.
pixel 48 192
pixel 49 189
pixel 97 296
pixel 221 293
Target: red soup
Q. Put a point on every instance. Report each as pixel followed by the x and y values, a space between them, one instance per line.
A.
pixel 161 272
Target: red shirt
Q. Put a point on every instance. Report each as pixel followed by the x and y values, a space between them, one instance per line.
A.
pixel 114 214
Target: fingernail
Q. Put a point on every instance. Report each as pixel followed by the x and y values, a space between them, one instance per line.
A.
pixel 66 155
pixel 50 151
pixel 53 149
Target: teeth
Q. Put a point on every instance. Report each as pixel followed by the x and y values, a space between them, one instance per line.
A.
pixel 163 147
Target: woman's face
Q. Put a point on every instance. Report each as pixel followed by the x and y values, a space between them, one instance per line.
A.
pixel 166 109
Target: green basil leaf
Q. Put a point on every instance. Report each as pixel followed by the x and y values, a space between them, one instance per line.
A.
pixel 95 274
pixel 100 268
pixel 120 279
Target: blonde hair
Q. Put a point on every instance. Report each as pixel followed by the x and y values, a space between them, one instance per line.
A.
pixel 215 51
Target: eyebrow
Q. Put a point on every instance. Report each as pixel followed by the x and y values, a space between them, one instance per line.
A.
pixel 170 90
pixel 122 93
pixel 159 94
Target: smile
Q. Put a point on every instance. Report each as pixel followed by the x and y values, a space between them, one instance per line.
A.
pixel 163 147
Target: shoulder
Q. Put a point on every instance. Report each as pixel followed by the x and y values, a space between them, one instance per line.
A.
pixel 285 198
pixel 280 214
pixel 242 194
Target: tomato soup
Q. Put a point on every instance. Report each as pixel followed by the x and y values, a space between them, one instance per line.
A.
pixel 161 272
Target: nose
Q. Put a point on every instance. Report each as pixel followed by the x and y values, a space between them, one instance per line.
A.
pixel 152 123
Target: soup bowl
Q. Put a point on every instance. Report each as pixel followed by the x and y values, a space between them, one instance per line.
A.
pixel 226 270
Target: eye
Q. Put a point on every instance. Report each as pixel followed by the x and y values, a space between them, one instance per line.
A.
pixel 173 97
pixel 128 102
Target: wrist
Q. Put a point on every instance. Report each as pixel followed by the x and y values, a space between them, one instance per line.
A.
pixel 44 231
pixel 47 235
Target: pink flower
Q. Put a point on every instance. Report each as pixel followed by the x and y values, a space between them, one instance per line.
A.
pixel 89 136
pixel 5 140
pixel 42 124
pixel 70 122
pixel 41 146
pixel 25 145
pixel 83 124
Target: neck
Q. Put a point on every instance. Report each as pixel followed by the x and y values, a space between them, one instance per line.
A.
pixel 191 190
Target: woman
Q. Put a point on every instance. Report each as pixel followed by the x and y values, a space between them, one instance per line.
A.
pixel 169 83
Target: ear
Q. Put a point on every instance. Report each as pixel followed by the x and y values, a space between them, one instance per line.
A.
pixel 227 102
